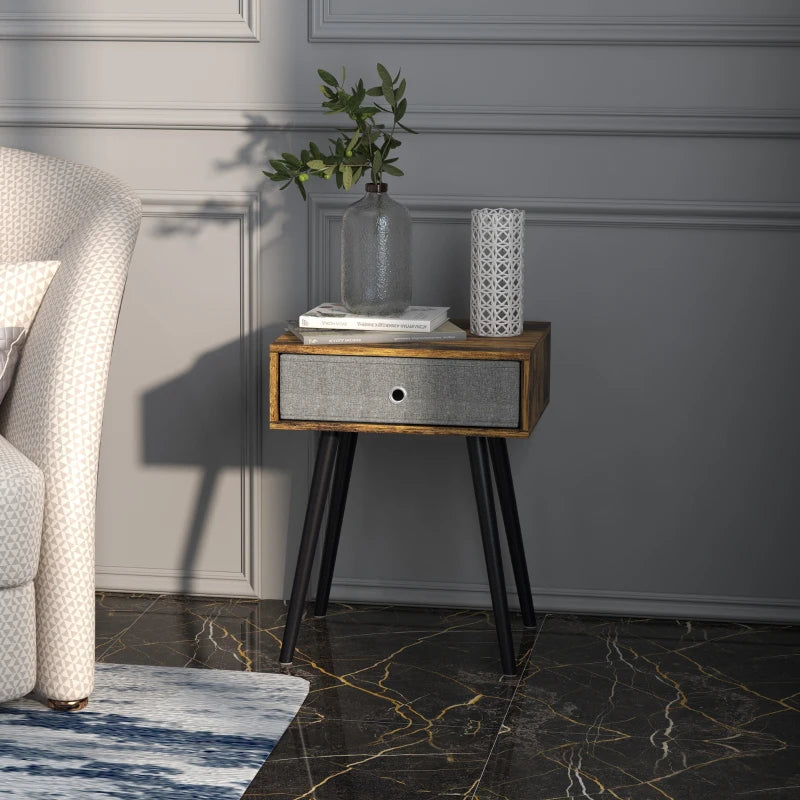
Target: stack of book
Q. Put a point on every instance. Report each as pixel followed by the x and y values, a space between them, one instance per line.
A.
pixel 330 323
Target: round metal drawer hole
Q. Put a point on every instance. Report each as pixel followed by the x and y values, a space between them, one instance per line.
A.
pixel 398 394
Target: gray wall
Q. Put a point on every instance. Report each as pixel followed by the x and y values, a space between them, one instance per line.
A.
pixel 654 147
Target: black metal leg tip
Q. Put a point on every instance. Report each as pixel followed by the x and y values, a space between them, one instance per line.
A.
pixel 532 627
pixel 286 663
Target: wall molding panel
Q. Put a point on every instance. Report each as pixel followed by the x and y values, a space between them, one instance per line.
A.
pixel 329 22
pixel 326 210
pixel 719 123
pixel 569 601
pixel 173 22
pixel 195 208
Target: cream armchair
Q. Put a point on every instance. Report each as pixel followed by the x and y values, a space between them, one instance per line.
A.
pixel 52 209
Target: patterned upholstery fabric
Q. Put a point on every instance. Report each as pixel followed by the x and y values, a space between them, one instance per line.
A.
pixel 22 287
pixel 10 347
pixel 17 641
pixel 87 220
pixel 21 506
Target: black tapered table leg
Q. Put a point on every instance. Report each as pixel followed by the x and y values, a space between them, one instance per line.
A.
pixel 508 505
pixel 341 483
pixel 484 496
pixel 317 500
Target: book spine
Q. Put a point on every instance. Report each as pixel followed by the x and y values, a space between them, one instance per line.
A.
pixel 377 337
pixel 366 324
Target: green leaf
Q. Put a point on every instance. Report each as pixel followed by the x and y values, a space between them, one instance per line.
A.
pixel 400 110
pixel 316 164
pixel 357 174
pixel 377 161
pixel 292 161
pixel 391 169
pixel 375 91
pixel 347 177
pixel 359 95
pixel 327 77
pixel 354 140
pixel 300 187
pixel 408 130
pixel 384 74
pixel 315 151
pixel 386 84
pixel 400 90
pixel 368 111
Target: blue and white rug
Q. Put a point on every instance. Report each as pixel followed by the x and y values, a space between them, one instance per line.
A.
pixel 148 732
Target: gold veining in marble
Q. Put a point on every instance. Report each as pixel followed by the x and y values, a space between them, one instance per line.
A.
pixel 410 703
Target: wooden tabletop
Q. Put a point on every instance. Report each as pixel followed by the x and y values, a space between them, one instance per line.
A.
pixel 502 348
pixel 531 349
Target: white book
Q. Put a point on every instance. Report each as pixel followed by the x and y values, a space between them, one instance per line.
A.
pixel 414 318
pixel 447 330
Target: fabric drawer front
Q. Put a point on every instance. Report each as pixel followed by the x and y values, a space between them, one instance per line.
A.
pixel 404 391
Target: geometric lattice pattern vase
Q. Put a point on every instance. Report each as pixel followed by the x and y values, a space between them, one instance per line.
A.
pixel 496 271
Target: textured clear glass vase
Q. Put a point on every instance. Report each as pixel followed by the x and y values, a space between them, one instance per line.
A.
pixel 376 254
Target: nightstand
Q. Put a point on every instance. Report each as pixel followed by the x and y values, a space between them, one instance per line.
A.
pixel 485 389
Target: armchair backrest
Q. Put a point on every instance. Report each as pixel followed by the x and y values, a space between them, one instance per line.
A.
pixel 88 220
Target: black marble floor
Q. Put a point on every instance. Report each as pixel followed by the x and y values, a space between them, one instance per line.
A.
pixel 409 702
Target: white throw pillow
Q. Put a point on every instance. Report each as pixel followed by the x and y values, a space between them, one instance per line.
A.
pixel 22 289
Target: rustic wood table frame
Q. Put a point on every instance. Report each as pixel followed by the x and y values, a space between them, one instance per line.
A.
pixel 488 456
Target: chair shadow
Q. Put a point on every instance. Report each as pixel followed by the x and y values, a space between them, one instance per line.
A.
pixel 202 418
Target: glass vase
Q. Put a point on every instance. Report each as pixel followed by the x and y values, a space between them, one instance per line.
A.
pixel 376 254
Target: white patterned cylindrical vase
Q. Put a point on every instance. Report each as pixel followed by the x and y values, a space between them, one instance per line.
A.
pixel 497 272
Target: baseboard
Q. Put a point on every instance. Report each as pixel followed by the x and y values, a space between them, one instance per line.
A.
pixel 169 581
pixel 574 601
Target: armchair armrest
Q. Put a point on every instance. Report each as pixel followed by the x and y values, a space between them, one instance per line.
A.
pixel 53 415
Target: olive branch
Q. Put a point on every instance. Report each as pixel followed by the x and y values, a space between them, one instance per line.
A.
pixel 366 147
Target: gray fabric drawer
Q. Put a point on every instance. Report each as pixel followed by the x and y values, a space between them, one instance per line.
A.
pixel 435 391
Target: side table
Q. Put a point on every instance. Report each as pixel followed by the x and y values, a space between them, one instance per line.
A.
pixel 485 389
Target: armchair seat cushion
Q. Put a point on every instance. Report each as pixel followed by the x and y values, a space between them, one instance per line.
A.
pixel 21 512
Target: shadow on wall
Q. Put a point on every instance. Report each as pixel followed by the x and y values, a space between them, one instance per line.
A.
pixel 253 156
pixel 204 418
pixel 212 415
pixel 201 417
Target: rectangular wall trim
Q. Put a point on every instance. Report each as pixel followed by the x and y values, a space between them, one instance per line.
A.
pixel 329 22
pixel 526 120
pixel 326 209
pixel 571 601
pixel 208 584
pixel 125 23
pixel 192 208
